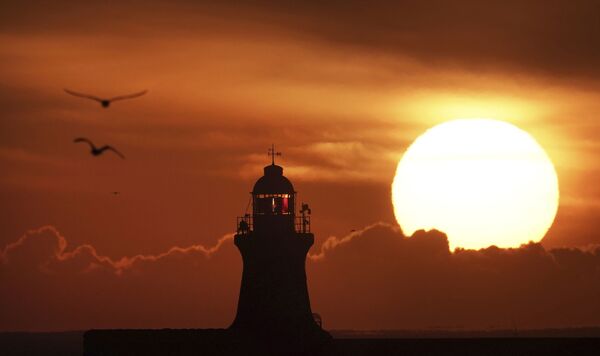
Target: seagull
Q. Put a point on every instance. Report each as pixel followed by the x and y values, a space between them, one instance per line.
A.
pixel 96 151
pixel 106 102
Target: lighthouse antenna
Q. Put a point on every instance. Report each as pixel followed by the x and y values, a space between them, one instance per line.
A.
pixel 272 153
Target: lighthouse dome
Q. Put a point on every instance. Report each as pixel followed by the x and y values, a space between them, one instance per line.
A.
pixel 273 182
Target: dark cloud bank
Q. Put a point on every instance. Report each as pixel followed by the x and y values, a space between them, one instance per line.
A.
pixel 371 279
pixel 550 38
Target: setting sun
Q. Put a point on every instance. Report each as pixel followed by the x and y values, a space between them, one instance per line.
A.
pixel 483 182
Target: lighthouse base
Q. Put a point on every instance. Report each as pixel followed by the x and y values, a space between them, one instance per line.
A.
pixel 197 342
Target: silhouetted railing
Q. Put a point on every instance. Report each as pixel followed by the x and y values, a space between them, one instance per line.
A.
pixel 245 224
pixel 302 224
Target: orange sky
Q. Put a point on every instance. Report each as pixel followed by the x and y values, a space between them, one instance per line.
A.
pixel 342 90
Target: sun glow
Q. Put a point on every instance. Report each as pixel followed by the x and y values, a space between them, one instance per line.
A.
pixel 483 182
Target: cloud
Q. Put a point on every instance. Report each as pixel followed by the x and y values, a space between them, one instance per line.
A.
pixel 333 242
pixel 548 39
pixel 54 287
pixel 373 278
pixel 380 279
pixel 553 39
pixel 47 248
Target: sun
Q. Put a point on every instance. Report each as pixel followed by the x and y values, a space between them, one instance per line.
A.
pixel 481 181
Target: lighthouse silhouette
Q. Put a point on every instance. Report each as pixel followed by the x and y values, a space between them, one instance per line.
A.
pixel 274 241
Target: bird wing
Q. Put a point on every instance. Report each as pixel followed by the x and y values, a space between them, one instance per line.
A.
pixel 110 148
pixel 128 96
pixel 82 95
pixel 83 139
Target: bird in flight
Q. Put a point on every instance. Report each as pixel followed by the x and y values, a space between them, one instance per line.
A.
pixel 96 151
pixel 105 102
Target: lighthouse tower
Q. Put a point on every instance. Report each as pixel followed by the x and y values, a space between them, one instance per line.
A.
pixel 273 242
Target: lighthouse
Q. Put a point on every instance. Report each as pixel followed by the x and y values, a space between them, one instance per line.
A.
pixel 273 241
